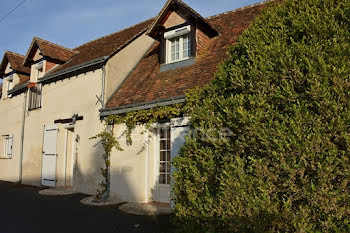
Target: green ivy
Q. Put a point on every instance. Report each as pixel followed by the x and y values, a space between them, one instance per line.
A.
pixel 131 120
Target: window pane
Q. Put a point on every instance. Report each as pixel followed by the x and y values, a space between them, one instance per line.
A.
pixel 168 133
pixel 186 47
pixel 168 167
pixel 168 156
pixel 163 156
pixel 162 179
pixel 162 133
pixel 168 145
pixel 162 167
pixel 162 144
pixel 175 49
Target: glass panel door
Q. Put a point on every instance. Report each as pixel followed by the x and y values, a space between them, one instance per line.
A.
pixel 164 156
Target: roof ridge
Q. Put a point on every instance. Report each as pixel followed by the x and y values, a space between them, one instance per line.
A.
pixel 54 44
pixel 7 51
pixel 241 8
pixel 121 30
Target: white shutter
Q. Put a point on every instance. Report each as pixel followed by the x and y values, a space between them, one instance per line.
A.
pixel 179 130
pixel 48 177
pixel 9 149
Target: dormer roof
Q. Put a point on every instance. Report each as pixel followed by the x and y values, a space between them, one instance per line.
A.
pixel 48 49
pixel 16 62
pixel 185 12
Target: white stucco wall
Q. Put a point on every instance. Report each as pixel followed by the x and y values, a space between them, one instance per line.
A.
pixel 133 170
pixel 60 100
pixel 121 64
pixel 10 123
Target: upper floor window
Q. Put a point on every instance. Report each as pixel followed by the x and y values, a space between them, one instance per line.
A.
pixel 178 44
pixel 34 101
pixel 39 70
pixel 179 48
pixel 9 84
pixel 8 146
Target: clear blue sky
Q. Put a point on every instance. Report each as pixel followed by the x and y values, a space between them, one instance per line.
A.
pixel 74 22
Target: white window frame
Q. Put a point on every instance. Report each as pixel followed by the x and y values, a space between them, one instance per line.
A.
pixel 181 48
pixel 167 151
pixel 9 85
pixel 8 150
pixel 38 67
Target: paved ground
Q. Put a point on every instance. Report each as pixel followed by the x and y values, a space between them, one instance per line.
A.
pixel 23 210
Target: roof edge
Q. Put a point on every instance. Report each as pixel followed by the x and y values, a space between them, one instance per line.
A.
pixel 242 8
pixel 75 68
pixel 143 105
pixel 167 7
pixel 18 88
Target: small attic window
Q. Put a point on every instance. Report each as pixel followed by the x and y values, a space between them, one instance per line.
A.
pixel 39 70
pixel 178 44
pixel 9 84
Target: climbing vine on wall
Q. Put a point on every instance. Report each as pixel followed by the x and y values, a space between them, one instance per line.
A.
pixel 131 120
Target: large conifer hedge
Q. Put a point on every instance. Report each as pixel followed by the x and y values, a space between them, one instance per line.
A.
pixel 284 96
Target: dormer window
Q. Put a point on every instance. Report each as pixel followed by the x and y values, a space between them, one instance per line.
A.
pixel 179 48
pixel 39 70
pixel 9 85
pixel 178 44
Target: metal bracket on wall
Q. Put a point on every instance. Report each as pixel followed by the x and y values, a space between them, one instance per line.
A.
pixel 99 99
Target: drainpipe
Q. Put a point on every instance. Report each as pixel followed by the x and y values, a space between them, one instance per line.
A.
pixel 22 136
pixel 103 86
pixel 107 192
pixel 147 166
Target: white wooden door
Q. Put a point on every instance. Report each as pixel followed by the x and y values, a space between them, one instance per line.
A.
pixel 179 130
pixel 48 176
pixel 170 140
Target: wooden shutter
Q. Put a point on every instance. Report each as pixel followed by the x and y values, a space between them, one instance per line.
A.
pixel 9 149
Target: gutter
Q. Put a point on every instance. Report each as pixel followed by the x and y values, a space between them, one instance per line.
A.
pixel 49 77
pixel 94 62
pixel 142 106
pixel 103 86
pixel 18 88
pixel 22 137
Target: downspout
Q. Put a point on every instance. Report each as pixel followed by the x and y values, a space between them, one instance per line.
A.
pixel 22 137
pixel 107 192
pixel 103 86
pixel 147 166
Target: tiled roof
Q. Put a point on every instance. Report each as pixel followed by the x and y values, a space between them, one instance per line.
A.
pixel 147 83
pixel 16 61
pixel 105 46
pixel 23 79
pixel 49 49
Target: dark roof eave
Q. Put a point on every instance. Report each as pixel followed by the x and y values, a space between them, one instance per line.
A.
pixel 49 77
pixel 143 106
pixel 18 88
pixel 66 71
